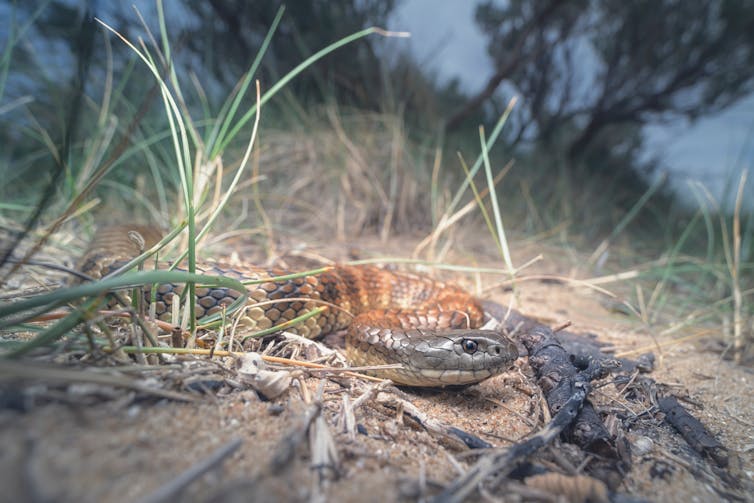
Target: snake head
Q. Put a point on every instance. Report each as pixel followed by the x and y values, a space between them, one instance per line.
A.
pixel 454 357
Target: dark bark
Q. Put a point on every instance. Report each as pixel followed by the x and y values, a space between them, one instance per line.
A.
pixel 693 431
pixel 559 379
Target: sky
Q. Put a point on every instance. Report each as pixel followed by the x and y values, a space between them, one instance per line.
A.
pixel 712 151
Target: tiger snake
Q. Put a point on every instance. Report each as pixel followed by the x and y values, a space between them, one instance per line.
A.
pixel 430 328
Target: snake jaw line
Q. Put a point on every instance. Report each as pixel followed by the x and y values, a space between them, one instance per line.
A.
pixel 439 358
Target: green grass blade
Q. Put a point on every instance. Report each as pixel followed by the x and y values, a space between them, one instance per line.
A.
pixel 56 331
pixel 502 240
pixel 230 107
pixel 480 159
pixel 298 69
pixel 125 281
pixel 13 37
pixel 480 202
pixel 288 324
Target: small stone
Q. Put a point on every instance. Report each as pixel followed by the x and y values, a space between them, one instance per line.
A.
pixel 641 445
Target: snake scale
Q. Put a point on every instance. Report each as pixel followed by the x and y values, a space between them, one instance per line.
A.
pixel 427 326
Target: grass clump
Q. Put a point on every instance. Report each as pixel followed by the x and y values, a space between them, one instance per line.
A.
pixel 330 172
pixel 198 148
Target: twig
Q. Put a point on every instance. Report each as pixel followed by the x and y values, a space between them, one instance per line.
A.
pixel 350 371
pixel 285 450
pixel 173 489
pixel 432 425
pixel 499 460
pixel 10 370
pixel 693 431
pixel 562 326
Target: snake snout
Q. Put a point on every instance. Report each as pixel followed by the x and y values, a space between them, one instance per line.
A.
pixel 505 348
pixel 456 357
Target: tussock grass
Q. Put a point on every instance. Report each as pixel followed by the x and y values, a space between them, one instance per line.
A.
pixel 198 159
pixel 354 173
pixel 341 173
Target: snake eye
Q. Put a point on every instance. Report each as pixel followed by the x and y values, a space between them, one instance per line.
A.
pixel 469 346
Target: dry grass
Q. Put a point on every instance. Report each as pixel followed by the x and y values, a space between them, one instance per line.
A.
pixel 352 174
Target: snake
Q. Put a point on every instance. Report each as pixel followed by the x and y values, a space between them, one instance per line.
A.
pixel 426 330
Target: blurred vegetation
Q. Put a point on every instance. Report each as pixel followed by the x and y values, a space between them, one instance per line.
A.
pixel 590 75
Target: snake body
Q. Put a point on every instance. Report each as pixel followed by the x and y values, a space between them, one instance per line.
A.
pixel 428 327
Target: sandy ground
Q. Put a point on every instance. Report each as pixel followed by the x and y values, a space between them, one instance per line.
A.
pixel 98 443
